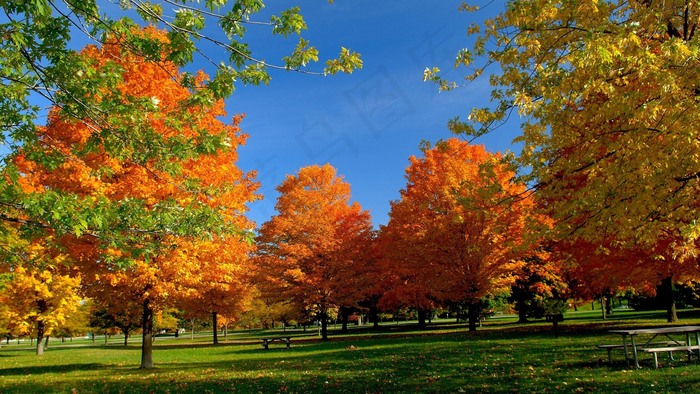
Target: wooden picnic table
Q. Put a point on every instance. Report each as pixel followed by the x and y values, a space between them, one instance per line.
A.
pixel 267 341
pixel 653 333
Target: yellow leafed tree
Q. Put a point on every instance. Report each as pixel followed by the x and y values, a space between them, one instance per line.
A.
pixel 609 92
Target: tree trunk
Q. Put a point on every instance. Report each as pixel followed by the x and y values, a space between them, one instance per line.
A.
pixel 40 337
pixel 602 307
pixel 106 338
pixel 473 316
pixel 609 304
pixel 147 343
pixel 522 312
pixel 324 326
pixel 344 313
pixel 375 316
pixel 666 294
pixel 192 334
pixel 421 318
pixel 46 342
pixel 216 328
pixel 126 337
pixel 226 332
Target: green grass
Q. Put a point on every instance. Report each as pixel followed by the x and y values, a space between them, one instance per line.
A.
pixel 500 357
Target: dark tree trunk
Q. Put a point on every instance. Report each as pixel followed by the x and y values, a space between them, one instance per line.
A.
pixel 666 294
pixel 192 333
pixel 324 326
pixel 473 316
pixel 522 312
pixel 216 328
pixel 126 336
pixel 344 314
pixel 555 322
pixel 375 316
pixel 421 318
pixel 602 307
pixel 147 343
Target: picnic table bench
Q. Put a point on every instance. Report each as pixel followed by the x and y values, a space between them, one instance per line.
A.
pixel 672 346
pixel 610 347
pixel 267 341
pixel 670 351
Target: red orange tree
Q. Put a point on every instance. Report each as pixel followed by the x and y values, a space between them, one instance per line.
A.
pixel 456 234
pixel 309 251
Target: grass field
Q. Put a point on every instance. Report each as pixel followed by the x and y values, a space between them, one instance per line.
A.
pixel 445 358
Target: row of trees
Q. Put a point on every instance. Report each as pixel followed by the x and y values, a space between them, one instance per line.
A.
pixel 115 195
pixel 115 198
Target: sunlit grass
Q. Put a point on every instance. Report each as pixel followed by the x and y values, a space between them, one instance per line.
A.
pixel 500 357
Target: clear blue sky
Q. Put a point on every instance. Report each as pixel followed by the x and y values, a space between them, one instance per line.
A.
pixel 369 123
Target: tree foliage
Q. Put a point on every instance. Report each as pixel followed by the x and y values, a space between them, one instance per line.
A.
pixel 40 66
pixel 309 251
pixel 608 93
pixel 178 241
pixel 456 235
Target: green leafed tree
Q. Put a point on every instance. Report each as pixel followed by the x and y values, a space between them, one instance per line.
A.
pixel 40 67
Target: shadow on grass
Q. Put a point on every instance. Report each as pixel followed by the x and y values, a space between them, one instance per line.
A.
pixel 488 360
pixel 38 370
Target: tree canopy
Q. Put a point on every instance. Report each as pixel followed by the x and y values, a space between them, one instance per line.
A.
pixel 310 251
pixel 608 94
pixel 39 65
pixel 456 234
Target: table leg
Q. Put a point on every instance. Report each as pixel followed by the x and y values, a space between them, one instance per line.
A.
pixel 634 351
pixel 627 357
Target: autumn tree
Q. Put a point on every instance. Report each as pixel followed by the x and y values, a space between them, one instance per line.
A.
pixel 157 266
pixel 39 299
pixel 598 271
pixel 42 69
pixel 540 280
pixel 607 91
pixel 308 251
pixel 456 234
pixel 221 287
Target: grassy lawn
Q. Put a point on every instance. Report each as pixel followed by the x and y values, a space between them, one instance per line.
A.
pixel 500 357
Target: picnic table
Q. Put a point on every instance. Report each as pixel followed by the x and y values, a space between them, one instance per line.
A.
pixel 652 333
pixel 267 341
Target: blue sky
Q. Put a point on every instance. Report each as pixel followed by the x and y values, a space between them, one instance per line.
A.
pixel 369 123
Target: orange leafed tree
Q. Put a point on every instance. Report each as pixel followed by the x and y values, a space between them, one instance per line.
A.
pixel 161 267
pixel 312 246
pixel 456 234
pixel 221 285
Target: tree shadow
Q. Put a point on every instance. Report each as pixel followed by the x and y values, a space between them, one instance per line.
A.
pixel 44 369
